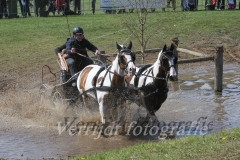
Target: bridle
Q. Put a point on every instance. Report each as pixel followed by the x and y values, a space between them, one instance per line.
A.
pixel 169 58
pixel 126 51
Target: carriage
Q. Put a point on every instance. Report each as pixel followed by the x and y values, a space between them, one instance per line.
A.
pixel 60 87
pixel 108 86
pixel 62 93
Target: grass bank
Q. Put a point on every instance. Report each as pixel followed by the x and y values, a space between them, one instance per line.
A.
pixel 31 41
pixel 220 145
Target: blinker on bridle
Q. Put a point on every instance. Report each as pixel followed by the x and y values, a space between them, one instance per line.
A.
pixel 125 51
pixel 164 54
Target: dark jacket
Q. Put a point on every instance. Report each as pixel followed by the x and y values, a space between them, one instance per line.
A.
pixel 80 46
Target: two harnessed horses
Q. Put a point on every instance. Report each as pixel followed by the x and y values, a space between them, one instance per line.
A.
pixel 99 83
pixel 151 82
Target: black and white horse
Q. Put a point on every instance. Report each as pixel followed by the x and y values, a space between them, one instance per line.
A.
pixel 152 81
pixel 97 84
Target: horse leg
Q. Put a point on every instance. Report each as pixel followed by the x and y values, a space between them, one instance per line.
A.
pixel 151 114
pixel 85 102
pixel 154 119
pixel 102 110
pixel 121 118
pixel 119 114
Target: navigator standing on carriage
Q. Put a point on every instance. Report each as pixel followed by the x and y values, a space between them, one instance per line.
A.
pixel 75 45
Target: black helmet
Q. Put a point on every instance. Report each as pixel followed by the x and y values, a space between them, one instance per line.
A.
pixel 77 30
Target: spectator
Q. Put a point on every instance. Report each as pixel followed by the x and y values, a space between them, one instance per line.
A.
pixel 162 4
pixel 60 6
pixel 3 9
pixel 28 7
pixel 184 4
pixel 93 6
pixel 231 4
pixel 24 6
pixel 191 4
pixel 77 6
pixel 173 4
pixel 52 7
pixel 220 4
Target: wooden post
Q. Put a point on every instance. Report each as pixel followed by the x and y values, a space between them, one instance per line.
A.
pixel 218 69
pixel 175 42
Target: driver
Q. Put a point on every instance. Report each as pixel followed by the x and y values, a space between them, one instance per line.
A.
pixel 78 44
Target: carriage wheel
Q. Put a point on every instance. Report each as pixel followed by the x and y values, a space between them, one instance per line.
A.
pixel 57 99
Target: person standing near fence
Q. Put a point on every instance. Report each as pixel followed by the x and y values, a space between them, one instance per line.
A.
pixel 184 5
pixel 28 7
pixel 93 6
pixel 173 4
pixel 3 9
pixel 191 4
pixel 231 4
pixel 77 6
pixel 24 6
pixel 52 7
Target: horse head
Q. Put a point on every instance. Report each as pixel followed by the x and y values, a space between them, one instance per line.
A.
pixel 168 61
pixel 126 59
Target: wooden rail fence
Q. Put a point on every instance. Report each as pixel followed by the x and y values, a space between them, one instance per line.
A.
pixel 218 60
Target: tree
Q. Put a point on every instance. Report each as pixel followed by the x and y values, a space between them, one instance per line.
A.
pixel 137 19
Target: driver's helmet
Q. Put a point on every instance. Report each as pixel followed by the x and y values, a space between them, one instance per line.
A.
pixel 78 30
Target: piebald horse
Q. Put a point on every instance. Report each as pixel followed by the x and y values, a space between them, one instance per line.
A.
pixel 99 84
pixel 152 81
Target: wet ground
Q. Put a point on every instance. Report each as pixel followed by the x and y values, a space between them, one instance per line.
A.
pixel 194 97
pixel 190 100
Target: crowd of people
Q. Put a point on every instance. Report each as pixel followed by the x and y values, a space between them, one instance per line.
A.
pixel 191 5
pixel 63 6
pixel 187 5
pixel 51 5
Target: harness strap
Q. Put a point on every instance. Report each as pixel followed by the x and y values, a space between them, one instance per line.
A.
pixel 102 88
pixel 136 79
pixel 95 79
pixel 144 81
pixel 96 76
pixel 105 75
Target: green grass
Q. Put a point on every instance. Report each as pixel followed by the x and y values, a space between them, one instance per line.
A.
pixel 221 145
pixel 31 41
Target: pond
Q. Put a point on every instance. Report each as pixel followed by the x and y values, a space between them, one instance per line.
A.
pixel 192 99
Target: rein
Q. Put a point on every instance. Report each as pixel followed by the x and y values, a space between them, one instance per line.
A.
pixel 105 88
pixel 94 59
pixel 124 92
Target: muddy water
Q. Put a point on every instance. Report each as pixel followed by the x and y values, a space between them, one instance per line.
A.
pixel 37 143
pixel 189 100
pixel 193 97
